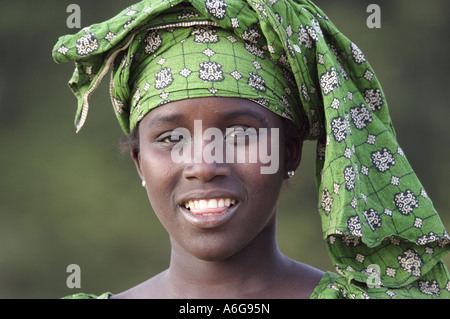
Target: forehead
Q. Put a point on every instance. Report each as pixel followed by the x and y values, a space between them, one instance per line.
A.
pixel 211 109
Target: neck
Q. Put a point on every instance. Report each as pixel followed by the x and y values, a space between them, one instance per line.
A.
pixel 249 272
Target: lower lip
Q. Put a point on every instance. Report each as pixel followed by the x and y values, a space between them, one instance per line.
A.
pixel 209 218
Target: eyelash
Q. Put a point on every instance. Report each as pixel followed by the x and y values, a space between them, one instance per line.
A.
pixel 242 132
pixel 167 138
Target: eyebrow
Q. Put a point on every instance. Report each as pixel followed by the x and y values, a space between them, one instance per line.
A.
pixel 255 115
pixel 164 118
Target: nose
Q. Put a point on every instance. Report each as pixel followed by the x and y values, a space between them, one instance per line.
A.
pixel 206 172
pixel 207 161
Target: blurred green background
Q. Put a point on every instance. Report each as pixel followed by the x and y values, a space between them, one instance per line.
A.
pixel 74 198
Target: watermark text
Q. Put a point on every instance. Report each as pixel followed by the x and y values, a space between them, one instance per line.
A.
pixel 373 281
pixel 74 279
pixel 239 145
pixel 374 19
pixel 74 19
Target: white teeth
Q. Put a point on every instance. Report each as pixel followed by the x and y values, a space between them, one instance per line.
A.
pixel 209 203
pixel 202 204
pixel 212 203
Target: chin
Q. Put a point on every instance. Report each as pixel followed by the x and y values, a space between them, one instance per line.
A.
pixel 209 249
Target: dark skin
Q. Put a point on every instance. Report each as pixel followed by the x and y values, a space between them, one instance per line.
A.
pixel 232 257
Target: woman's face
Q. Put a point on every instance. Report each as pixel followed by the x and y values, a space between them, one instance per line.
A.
pixel 212 209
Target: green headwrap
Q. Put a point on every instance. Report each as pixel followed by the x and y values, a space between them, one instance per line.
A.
pixel 374 210
pixel 181 54
pixel 179 63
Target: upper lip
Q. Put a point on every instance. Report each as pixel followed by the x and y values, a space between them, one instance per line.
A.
pixel 196 195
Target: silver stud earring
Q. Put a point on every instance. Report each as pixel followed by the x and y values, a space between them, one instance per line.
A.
pixel 291 174
pixel 143 183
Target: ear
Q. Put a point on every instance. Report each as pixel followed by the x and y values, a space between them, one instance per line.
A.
pixel 136 156
pixel 292 153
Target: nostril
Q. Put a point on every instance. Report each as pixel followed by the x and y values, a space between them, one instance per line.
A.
pixel 206 171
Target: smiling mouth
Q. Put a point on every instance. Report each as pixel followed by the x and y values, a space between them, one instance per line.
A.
pixel 209 206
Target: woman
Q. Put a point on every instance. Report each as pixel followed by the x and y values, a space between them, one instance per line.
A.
pixel 267 76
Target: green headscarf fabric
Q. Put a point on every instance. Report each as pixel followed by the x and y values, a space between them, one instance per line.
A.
pixel 187 62
pixel 180 54
pixel 377 219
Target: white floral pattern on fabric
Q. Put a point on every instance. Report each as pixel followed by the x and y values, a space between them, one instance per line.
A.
pixel 304 38
pixel 329 81
pixel 406 202
pixel 361 116
pixel 255 50
pixel 256 82
pixel 383 159
pixel 236 75
pixel 217 8
pixel 349 176
pixel 152 41
pixel 185 72
pixel 411 262
pixel 357 54
pixel 251 35
pixel 354 226
pixel 63 49
pixel 188 14
pixel 163 78
pixel 339 129
pixel 205 34
pixel 429 287
pixel 118 106
pixel 373 218
pixel 110 36
pixel 211 71
pixel 374 99
pixel 327 201
pixel 428 238
pixel 87 44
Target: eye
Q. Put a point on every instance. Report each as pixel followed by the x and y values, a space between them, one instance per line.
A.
pixel 173 137
pixel 239 134
pixel 170 139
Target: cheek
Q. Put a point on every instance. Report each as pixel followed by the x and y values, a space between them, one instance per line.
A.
pixel 262 190
pixel 266 175
pixel 161 176
pixel 265 191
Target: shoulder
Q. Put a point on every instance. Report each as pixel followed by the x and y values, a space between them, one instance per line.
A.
pixel 149 289
pixel 297 280
pixel 82 295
